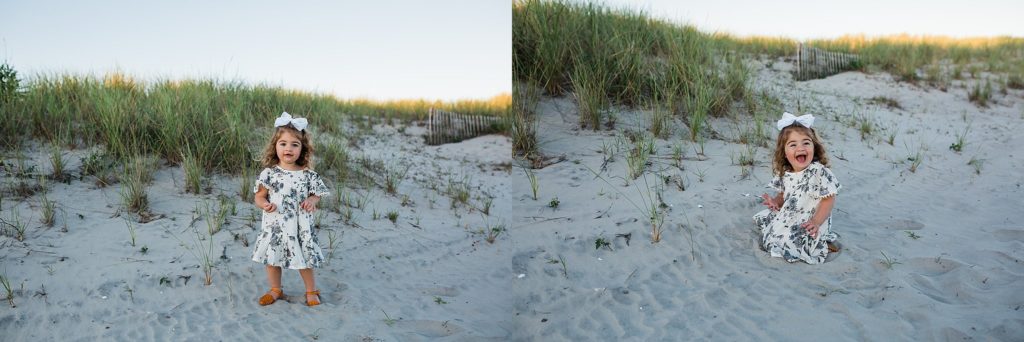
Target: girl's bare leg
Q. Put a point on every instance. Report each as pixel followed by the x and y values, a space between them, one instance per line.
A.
pixel 274 277
pixel 308 279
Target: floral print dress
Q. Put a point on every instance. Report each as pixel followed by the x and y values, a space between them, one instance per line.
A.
pixel 781 234
pixel 287 238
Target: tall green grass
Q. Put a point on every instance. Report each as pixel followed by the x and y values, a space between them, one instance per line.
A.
pixel 608 56
pixel 222 125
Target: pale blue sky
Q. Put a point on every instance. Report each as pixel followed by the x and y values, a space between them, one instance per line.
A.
pixel 383 49
pixel 804 19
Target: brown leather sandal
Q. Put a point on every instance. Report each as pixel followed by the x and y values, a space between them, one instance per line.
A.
pixel 315 302
pixel 268 298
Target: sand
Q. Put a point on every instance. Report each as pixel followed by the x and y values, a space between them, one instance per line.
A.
pixel 953 234
pixel 958 277
pixel 432 274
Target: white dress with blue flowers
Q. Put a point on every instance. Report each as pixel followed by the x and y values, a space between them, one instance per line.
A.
pixel 287 238
pixel 781 233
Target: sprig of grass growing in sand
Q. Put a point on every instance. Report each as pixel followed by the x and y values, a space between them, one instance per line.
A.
pixel 601 242
pixel 393 216
pixel 916 158
pixel 912 235
pixel 57 164
pixel 977 164
pixel 394 174
pixel 493 232
pixel 245 185
pixel 961 138
pixel 533 181
pixel 981 95
pixel 131 229
pixel 523 117
pixel 6 282
pixel 17 228
pixel 637 159
pixel 201 247
pixel 49 210
pixel 138 172
pixel 648 206
pixel 590 82
pixel 387 319
pixel 193 172
pixel 214 218
pixel 554 203
pixel 889 262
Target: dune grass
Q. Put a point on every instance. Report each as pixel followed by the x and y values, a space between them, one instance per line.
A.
pixel 606 56
pixel 219 126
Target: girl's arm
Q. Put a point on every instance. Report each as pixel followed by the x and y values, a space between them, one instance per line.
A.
pixel 260 199
pixel 820 215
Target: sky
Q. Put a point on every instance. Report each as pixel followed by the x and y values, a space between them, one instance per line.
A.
pixel 807 19
pixel 381 49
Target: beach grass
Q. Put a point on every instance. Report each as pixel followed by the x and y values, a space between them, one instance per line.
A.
pixel 218 126
pixel 8 290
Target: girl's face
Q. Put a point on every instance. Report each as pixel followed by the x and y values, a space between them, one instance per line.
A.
pixel 288 148
pixel 799 150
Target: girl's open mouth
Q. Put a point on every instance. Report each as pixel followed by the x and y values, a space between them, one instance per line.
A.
pixel 801 159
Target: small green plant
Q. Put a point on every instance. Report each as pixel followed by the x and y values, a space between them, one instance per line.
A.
pixel 6 282
pixel 393 216
pixel 245 186
pixel 133 190
pixel 981 95
pixel 394 174
pixel 700 173
pixel 387 319
pixel 131 229
pixel 977 164
pixel 439 300
pixel 533 181
pixel 57 162
pixel 889 262
pixel 554 203
pixel 961 138
pixel 493 232
pixel 193 171
pixel 144 250
pixel 201 247
pixel 165 281
pixel 601 242
pixel 639 155
pixel 16 227
pixel 912 235
pixel 49 210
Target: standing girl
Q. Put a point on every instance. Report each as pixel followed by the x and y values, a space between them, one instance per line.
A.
pixel 288 191
pixel 798 224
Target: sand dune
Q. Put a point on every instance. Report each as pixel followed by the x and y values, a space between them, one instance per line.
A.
pixel 954 235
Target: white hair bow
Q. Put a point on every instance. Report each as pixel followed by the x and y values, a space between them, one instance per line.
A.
pixel 805 120
pixel 285 118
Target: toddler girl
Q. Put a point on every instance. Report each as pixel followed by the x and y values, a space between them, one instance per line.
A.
pixel 288 192
pixel 798 224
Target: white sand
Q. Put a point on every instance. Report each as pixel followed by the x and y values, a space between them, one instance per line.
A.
pixel 378 267
pixel 708 280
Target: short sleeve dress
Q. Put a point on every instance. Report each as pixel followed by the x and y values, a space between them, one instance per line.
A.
pixel 781 234
pixel 287 238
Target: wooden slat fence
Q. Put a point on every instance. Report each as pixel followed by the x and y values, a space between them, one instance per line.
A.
pixel 817 63
pixel 446 127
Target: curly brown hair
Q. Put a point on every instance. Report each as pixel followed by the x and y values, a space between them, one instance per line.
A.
pixel 780 165
pixel 305 154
